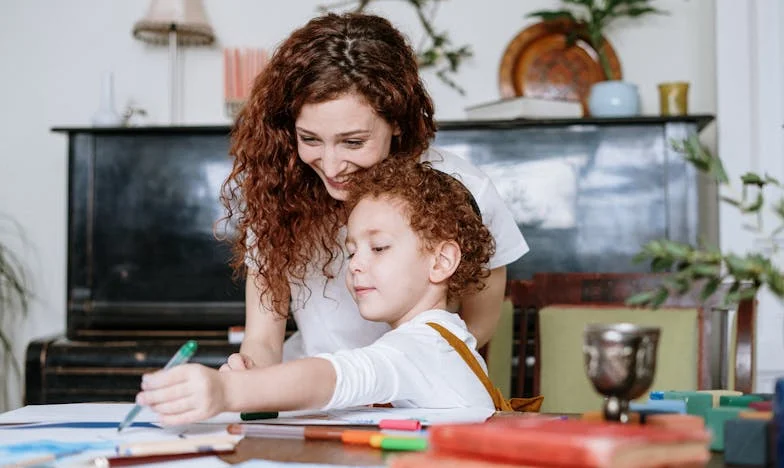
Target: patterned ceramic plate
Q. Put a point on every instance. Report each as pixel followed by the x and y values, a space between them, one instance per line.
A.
pixel 538 63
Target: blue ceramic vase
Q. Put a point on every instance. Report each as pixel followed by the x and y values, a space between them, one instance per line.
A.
pixel 614 99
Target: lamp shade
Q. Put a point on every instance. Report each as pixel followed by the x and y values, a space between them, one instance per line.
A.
pixel 185 17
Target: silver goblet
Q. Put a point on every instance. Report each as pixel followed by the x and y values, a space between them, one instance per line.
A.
pixel 620 360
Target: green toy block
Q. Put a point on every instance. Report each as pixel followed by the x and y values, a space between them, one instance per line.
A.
pixel 742 400
pixel 714 421
pixel 696 403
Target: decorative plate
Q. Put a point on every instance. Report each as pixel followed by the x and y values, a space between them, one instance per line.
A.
pixel 538 63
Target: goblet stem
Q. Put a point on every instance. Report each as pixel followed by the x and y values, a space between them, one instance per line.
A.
pixel 616 409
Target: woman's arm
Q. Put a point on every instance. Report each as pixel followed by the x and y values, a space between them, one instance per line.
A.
pixel 482 310
pixel 264 331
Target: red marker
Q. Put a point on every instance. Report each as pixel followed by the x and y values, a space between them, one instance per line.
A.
pixel 400 424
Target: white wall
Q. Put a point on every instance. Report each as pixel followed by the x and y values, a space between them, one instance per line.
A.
pixel 750 63
pixel 52 55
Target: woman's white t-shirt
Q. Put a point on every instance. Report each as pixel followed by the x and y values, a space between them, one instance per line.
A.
pixel 327 317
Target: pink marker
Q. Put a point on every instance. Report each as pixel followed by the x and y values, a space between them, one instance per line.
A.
pixel 400 424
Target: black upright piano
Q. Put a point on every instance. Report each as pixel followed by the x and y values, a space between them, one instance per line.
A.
pixel 146 273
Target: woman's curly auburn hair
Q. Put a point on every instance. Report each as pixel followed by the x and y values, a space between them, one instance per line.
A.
pixel 439 208
pixel 281 210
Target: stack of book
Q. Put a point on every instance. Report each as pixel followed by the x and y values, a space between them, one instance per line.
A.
pixel 525 108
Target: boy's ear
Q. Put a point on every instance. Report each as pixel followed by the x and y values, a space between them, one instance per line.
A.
pixel 447 258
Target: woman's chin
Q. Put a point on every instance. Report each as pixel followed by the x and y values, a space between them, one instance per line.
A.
pixel 337 194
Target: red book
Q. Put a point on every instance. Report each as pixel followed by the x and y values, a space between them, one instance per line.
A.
pixel 571 443
pixel 431 460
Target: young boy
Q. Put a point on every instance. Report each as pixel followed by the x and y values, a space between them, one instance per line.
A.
pixel 415 240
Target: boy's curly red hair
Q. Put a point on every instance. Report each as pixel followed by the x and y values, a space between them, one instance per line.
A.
pixel 439 208
pixel 281 212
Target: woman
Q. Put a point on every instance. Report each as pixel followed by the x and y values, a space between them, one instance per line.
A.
pixel 341 94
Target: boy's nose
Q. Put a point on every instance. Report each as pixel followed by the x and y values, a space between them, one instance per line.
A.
pixel 355 265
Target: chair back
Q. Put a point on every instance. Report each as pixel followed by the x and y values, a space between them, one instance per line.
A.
pixel 563 380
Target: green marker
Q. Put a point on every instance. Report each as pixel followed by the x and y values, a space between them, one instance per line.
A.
pixel 405 444
pixel 258 415
pixel 182 356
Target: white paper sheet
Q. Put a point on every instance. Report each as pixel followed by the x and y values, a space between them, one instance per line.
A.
pixel 115 412
pixel 366 416
pixel 277 464
pixel 95 412
pixel 109 438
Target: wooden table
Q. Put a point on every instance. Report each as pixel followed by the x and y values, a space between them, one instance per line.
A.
pixel 309 451
pixel 331 453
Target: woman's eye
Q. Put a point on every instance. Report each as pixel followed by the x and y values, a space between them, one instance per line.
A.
pixel 355 143
pixel 307 140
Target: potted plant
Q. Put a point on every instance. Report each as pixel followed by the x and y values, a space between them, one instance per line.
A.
pixel 14 301
pixel 705 267
pixel 612 97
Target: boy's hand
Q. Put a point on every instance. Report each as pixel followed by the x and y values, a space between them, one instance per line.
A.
pixel 183 394
pixel 238 361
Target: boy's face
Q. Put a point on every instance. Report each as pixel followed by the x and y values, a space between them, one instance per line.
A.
pixel 388 271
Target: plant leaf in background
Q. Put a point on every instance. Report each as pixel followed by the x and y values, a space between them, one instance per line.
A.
pixel 14 292
pixel 592 18
pixel 706 267
pixel 438 53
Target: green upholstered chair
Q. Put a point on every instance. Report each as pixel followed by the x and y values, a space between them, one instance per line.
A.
pixel 562 379
pixel 499 352
pixel 609 291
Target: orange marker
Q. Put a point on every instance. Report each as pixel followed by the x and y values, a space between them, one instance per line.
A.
pixel 358 437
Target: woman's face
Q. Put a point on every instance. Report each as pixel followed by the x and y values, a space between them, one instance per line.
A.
pixel 339 137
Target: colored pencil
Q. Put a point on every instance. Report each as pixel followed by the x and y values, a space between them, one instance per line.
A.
pixel 105 462
pixel 274 431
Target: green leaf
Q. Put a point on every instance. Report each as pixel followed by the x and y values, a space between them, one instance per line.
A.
pixel 635 12
pixel 660 264
pixel 754 207
pixel 711 286
pixel 737 265
pixel 677 249
pixel 706 271
pixel 751 178
pixel 552 15
pixel 641 299
pixel 658 299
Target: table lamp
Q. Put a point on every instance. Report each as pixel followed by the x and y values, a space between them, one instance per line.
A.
pixel 174 22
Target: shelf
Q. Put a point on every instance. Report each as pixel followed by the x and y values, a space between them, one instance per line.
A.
pixel 701 120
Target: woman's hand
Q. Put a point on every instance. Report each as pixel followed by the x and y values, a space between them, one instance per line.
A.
pixel 238 361
pixel 184 394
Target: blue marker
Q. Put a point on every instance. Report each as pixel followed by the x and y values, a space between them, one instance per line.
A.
pixel 182 356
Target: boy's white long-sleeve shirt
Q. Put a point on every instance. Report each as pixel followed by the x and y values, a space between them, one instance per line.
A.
pixel 410 366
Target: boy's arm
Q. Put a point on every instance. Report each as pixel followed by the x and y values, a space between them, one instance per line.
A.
pixel 192 392
pixel 301 384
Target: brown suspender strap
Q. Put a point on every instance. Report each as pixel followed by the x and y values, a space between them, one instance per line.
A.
pixel 501 404
pixel 465 353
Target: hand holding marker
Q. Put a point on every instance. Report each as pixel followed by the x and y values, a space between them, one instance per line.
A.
pixel 182 356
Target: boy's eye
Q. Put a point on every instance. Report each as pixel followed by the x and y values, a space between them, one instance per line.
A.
pixel 351 255
pixel 380 249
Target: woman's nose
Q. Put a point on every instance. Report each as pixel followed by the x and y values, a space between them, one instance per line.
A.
pixel 332 163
